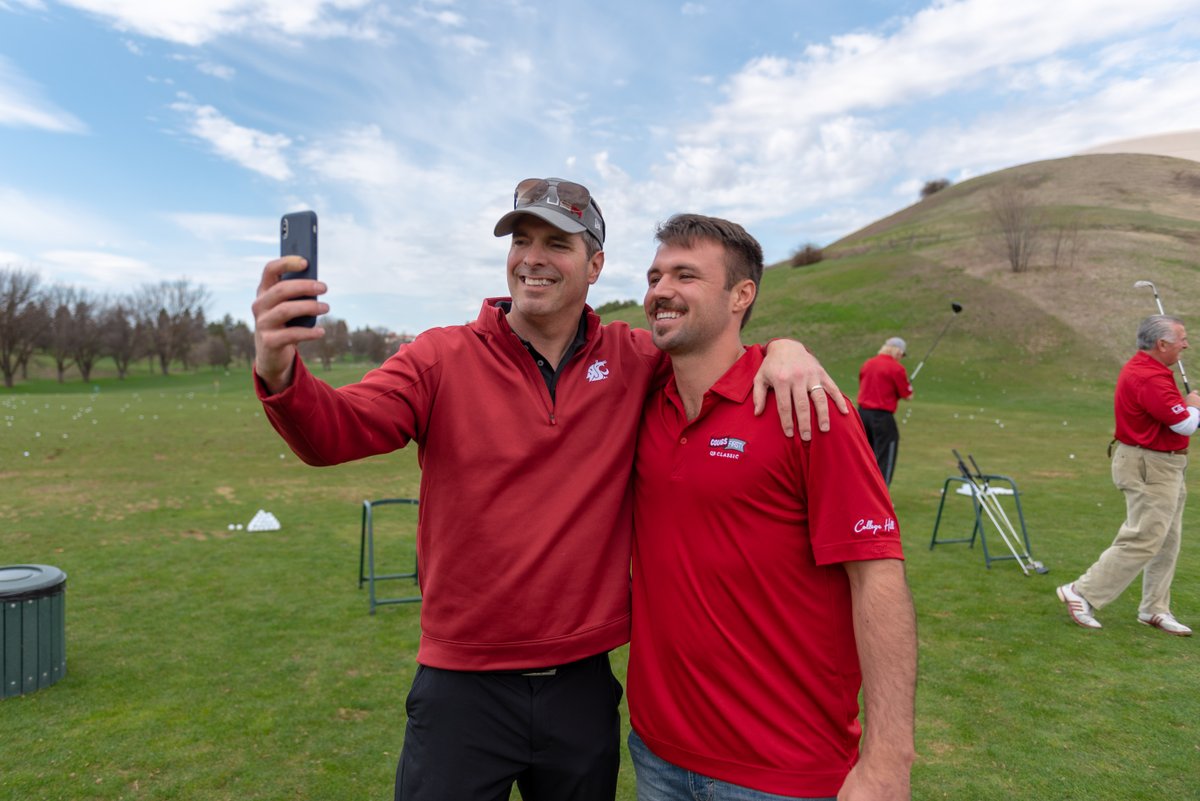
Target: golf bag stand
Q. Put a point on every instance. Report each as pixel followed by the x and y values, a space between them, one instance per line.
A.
pixel 985 491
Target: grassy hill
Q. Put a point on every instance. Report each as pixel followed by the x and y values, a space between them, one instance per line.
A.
pixel 1131 217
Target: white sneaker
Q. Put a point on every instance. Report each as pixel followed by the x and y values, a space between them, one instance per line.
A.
pixel 1077 605
pixel 1166 622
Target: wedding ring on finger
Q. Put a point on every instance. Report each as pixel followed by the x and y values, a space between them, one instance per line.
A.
pixel 813 389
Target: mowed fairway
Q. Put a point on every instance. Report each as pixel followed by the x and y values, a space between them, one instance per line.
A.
pixel 205 663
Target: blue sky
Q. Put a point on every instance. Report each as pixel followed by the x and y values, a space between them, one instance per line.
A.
pixel 143 140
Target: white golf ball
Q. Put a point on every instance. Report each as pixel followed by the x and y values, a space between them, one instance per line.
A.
pixel 1072 456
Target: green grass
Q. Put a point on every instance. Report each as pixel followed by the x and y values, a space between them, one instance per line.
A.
pixel 207 664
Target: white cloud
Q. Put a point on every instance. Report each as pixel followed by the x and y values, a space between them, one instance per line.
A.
pixel 22 106
pixel 693 9
pixel 470 45
pixel 226 227
pixel 255 150
pixel 1164 99
pixel 221 71
pixel 361 157
pixel 95 269
pixel 793 134
pixel 450 19
pixel 946 47
pixel 26 218
pixel 195 22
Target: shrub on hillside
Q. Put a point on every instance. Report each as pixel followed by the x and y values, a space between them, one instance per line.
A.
pixel 934 186
pixel 808 254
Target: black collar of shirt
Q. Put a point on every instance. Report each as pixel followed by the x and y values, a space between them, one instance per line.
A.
pixel 549 373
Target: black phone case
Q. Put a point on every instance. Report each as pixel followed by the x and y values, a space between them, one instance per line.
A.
pixel 298 237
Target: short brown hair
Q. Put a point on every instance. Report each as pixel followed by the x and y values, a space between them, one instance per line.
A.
pixel 743 254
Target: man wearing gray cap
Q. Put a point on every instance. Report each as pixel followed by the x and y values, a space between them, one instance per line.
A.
pixel 882 384
pixel 525 422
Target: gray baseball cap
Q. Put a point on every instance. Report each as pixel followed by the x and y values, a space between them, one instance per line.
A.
pixel 897 342
pixel 566 205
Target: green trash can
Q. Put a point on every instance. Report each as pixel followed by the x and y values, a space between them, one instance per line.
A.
pixel 33 623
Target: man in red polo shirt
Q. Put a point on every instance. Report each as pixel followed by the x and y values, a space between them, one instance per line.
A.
pixel 768 582
pixel 1153 425
pixel 882 384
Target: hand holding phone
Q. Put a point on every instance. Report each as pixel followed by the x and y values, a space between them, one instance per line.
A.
pixel 298 237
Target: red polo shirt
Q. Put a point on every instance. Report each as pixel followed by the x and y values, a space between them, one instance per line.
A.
pixel 882 382
pixel 743 664
pixel 1147 403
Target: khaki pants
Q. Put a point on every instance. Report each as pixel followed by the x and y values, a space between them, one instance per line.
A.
pixel 1155 491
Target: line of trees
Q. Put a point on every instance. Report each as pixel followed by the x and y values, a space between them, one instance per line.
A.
pixel 76 328
pixel 162 322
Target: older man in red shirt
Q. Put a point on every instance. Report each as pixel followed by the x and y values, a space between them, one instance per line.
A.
pixel 882 384
pixel 1153 423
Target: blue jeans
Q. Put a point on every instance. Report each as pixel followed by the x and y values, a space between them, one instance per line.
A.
pixel 659 780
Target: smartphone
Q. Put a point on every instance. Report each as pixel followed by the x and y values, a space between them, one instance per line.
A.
pixel 298 237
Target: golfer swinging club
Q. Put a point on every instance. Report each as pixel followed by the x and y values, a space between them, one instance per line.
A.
pixel 1153 426
pixel 882 384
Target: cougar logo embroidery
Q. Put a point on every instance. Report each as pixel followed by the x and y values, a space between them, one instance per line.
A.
pixel 597 371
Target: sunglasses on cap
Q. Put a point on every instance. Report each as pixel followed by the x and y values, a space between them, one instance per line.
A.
pixel 564 204
pixel 571 196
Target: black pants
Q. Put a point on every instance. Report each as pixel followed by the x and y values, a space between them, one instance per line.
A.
pixel 470 736
pixel 884 438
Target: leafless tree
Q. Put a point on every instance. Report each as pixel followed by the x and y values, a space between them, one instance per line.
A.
pixel 189 330
pixel 225 342
pixel 1066 241
pixel 370 344
pixel 121 334
pixel 37 322
pixel 217 352
pixel 86 346
pixel 172 313
pixel 60 338
pixel 1019 224
pixel 329 347
pixel 241 342
pixel 20 319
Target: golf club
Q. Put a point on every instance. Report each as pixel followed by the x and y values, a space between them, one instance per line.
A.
pixel 956 308
pixel 1158 300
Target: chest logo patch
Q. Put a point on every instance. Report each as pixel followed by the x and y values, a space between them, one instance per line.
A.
pixel 597 370
pixel 726 447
